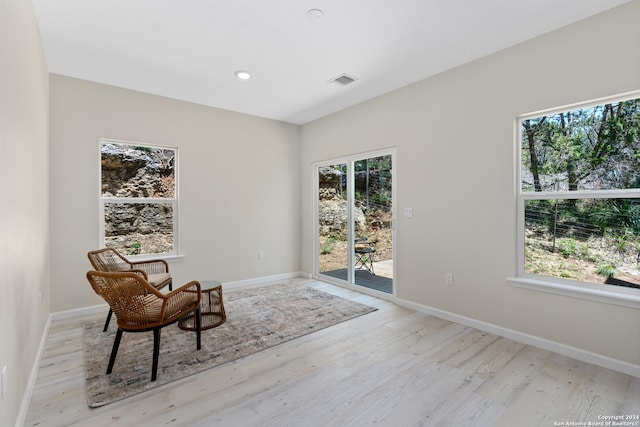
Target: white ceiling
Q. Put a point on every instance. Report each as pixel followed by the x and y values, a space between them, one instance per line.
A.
pixel 190 49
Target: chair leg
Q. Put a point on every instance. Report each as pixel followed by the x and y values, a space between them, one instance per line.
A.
pixel 364 260
pixel 106 324
pixel 198 327
pixel 156 353
pixel 114 350
pixel 371 266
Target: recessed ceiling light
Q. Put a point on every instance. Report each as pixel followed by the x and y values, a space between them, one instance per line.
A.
pixel 243 75
pixel 315 13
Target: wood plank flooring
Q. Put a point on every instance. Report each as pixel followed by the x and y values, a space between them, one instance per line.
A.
pixel 395 367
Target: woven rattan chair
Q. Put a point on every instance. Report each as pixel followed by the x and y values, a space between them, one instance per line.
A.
pixel 156 271
pixel 140 307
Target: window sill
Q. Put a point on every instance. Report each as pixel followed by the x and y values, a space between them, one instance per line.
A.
pixel 168 258
pixel 623 297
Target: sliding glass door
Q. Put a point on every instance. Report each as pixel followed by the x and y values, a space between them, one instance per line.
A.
pixel 354 220
pixel 333 221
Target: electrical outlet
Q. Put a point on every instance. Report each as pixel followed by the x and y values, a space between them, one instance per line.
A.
pixel 448 279
pixel 260 255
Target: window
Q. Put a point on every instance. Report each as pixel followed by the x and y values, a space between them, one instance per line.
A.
pixel 138 202
pixel 579 196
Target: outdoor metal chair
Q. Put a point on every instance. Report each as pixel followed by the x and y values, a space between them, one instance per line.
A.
pixel 365 251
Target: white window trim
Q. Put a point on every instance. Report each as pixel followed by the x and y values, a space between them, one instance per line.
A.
pixel 609 294
pixel 623 297
pixel 175 202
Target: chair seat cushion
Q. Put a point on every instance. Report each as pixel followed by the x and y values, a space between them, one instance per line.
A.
pixel 365 251
pixel 147 313
pixel 158 279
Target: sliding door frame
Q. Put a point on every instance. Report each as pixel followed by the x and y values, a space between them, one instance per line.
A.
pixel 315 241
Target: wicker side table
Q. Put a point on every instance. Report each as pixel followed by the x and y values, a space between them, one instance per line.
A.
pixel 211 308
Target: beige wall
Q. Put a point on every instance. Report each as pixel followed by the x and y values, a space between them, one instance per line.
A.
pixel 245 183
pixel 239 187
pixel 454 135
pixel 24 187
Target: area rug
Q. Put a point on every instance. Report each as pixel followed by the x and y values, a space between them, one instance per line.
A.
pixel 257 319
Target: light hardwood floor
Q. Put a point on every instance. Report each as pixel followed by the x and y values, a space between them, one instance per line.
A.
pixel 394 367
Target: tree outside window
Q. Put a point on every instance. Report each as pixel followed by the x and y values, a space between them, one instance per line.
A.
pixel 138 198
pixel 580 194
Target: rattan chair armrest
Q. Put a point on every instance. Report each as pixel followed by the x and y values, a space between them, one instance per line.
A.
pixel 136 274
pixel 140 273
pixel 174 302
pixel 192 286
pixel 142 278
pixel 151 265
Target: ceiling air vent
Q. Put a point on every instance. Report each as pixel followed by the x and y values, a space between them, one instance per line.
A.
pixel 342 80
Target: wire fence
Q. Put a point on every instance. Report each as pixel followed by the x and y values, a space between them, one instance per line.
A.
pixel 602 233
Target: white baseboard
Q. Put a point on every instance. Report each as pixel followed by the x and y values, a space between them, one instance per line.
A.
pixel 33 377
pixel 566 350
pixel 263 281
pixel 79 312
pixel 241 284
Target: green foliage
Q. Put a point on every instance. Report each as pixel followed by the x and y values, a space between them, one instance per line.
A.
pixel 380 198
pixel 621 243
pixel 585 148
pixel 377 163
pixel 591 148
pixel 327 246
pixel 142 148
pixel 568 247
pixel 135 248
pixel 606 270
